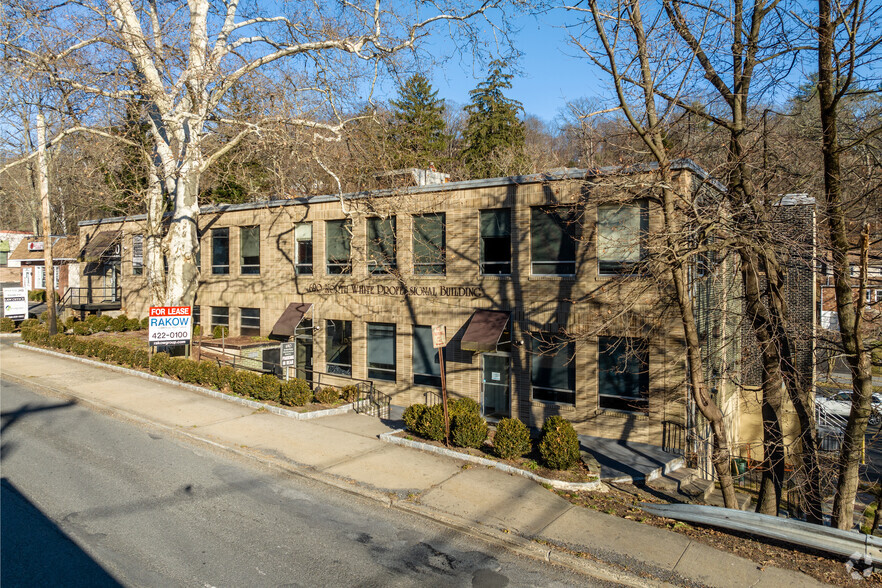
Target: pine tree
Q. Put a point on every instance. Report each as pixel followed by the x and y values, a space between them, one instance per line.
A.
pixel 418 128
pixel 494 134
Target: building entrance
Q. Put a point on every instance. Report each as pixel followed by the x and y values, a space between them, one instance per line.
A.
pixel 495 386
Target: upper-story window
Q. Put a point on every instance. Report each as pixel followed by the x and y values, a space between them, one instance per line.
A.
pixel 622 374
pixel 429 234
pixel 553 234
pixel 338 237
pixel 621 231
pixel 381 245
pixel 220 251
pixel 249 245
pixel 137 255
pixel 496 241
pixel 303 249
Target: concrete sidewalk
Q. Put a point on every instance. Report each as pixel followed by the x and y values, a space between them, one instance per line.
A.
pixel 345 451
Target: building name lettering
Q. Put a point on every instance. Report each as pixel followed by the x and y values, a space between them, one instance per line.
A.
pixel 382 290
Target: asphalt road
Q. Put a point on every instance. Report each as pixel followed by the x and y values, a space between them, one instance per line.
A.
pixel 88 500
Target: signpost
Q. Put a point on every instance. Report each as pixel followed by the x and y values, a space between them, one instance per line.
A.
pixel 286 356
pixel 15 303
pixel 439 339
pixel 170 325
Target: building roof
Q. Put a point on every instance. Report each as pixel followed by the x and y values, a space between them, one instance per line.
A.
pixel 64 248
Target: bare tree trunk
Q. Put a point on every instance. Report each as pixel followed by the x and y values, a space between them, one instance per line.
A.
pixel 43 175
pixel 153 239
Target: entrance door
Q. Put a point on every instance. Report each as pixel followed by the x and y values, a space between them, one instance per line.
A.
pixel 495 386
pixel 303 358
pixel 27 278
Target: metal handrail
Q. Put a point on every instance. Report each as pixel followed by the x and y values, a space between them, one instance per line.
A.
pixel 73 296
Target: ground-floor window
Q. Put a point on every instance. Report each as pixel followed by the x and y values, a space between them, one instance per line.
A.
pixel 623 377
pixel 220 317
pixel 553 371
pixel 381 351
pixel 338 346
pixel 197 316
pixel 249 322
pixel 426 363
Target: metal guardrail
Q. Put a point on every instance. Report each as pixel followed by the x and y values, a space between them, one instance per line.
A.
pixel 81 296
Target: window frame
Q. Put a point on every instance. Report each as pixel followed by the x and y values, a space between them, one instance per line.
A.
pixel 502 264
pixel 137 243
pixel 345 347
pixel 418 342
pixel 374 372
pixel 249 330
pixel 215 313
pixel 253 269
pixel 425 268
pixel 566 229
pixel 337 268
pixel 635 350
pixel 378 261
pixel 606 267
pixel 550 394
pixel 218 234
pixel 301 267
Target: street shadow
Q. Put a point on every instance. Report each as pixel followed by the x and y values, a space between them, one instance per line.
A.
pixel 10 417
pixel 36 552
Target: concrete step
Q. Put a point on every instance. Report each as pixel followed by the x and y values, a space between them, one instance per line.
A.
pixel 682 485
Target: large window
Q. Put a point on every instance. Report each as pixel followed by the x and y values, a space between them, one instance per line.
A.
pixel 381 351
pixel 197 316
pixel 496 241
pixel 303 249
pixel 249 322
pixel 381 245
pixel 338 236
pixel 553 234
pixel 429 233
pixel 426 363
pixel 220 251
pixel 338 347
pixel 622 378
pixel 621 229
pixel 220 317
pixel 137 255
pixel 553 372
pixel 249 245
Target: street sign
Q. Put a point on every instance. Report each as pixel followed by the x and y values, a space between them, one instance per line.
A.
pixel 171 325
pixel 439 336
pixel 15 303
pixel 286 354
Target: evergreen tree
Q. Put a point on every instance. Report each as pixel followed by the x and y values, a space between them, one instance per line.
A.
pixel 418 128
pixel 494 134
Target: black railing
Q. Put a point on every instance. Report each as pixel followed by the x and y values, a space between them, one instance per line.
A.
pixel 86 296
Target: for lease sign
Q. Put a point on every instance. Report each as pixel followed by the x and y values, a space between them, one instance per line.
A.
pixel 170 324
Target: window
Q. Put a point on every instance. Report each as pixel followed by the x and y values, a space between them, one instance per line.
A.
pixel 381 351
pixel 553 233
pixel 137 255
pixel 303 249
pixel 339 347
pixel 220 251
pixel 249 322
pixel 249 245
pixel 426 363
pixel 197 316
pixel 553 371
pixel 220 317
pixel 429 233
pixel 620 232
pixel 338 236
pixel 40 281
pixel 623 377
pixel 381 245
pixel 496 241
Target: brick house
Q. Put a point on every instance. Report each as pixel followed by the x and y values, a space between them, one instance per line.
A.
pixel 28 254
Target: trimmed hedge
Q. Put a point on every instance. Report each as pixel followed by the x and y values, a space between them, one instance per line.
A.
pixel 327 395
pixel 559 446
pixel 468 429
pixel 295 392
pixel 512 439
pixel 349 393
pixel 431 423
pixel 412 416
pixel 7 325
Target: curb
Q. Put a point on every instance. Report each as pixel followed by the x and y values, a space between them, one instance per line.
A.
pixel 292 414
pixel 595 486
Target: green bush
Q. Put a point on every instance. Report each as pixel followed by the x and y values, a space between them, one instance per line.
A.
pixel 559 446
pixel 157 363
pixel 145 323
pixel 37 295
pixel 35 334
pixel 117 324
pixel 220 331
pixel 140 358
pixel 7 325
pixel 133 324
pixel 349 393
pixel 468 430
pixel 245 383
pixel 61 341
pixel 327 395
pixel 102 322
pixel 29 323
pixel 79 347
pixel 71 321
pixel 44 317
pixel 223 377
pixel 197 330
pixel 462 406
pixel 431 423
pixel 82 328
pixel 268 388
pixel 512 439
pixel 295 392
pixel 412 416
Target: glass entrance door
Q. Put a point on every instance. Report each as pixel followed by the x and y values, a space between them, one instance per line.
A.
pixel 495 386
pixel 303 351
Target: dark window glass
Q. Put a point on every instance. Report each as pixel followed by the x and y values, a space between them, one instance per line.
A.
pixel 623 377
pixel 338 236
pixel 621 230
pixel 197 315
pixel 249 322
pixel 338 345
pixel 381 245
pixel 220 251
pixel 553 371
pixel 496 241
pixel 426 363
pixel 553 234
pixel 381 351
pixel 220 316
pixel 137 255
pixel 429 233
pixel 303 249
pixel 249 262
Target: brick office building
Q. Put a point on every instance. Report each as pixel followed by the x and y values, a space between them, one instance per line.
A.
pixel 531 276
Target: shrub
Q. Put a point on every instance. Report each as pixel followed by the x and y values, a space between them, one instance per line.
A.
pixel 7 325
pixel 197 330
pixel 412 416
pixel 245 383
pixel 223 377
pixel 61 341
pixel 462 406
pixel 44 317
pixel 37 295
pixel 145 323
pixel 140 358
pixel 327 395
pixel 267 388
pixel 468 430
pixel 81 329
pixel 121 355
pixel 28 323
pixel 512 439
pixel 158 362
pixel 95 347
pixel 101 323
pixel 79 347
pixel 349 393
pixel 431 423
pixel 133 325
pixel 35 334
pixel 559 446
pixel 220 331
pixel 295 392
pixel 71 321
pixel 117 324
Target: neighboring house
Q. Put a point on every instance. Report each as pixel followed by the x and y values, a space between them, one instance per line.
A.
pixel 9 240
pixel 508 265
pixel 29 256
pixel 872 294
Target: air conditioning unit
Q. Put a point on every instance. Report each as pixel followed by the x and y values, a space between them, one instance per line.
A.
pixel 35 246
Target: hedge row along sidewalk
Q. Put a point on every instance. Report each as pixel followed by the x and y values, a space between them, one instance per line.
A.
pixel 207 376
